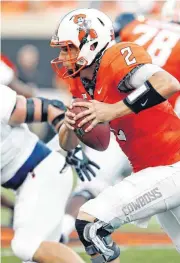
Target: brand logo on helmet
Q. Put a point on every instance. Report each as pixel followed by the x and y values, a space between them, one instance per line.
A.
pixel 86 33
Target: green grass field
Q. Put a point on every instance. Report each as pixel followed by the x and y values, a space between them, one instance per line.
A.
pixel 146 256
pixel 131 255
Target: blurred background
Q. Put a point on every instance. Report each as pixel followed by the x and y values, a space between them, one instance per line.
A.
pixel 26 30
pixel 27 27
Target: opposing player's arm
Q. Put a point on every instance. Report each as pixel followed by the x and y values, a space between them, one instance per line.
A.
pixel 37 110
pixel 22 88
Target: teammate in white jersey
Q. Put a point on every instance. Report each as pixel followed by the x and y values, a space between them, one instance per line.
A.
pixel 36 174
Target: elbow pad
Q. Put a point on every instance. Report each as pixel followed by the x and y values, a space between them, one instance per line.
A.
pixel 44 110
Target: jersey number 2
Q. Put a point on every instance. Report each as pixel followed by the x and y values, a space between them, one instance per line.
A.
pixel 128 52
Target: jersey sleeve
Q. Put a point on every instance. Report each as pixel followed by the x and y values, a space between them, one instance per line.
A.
pixel 129 58
pixel 7 103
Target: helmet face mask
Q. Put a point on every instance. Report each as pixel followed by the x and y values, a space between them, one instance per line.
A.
pixel 87 30
pixel 68 59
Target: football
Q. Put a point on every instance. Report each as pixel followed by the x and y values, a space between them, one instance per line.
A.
pixel 98 138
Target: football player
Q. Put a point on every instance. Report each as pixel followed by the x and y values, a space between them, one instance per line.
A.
pixel 78 159
pixel 36 174
pixel 26 166
pixel 8 77
pixel 160 38
pixel 20 163
pixel 117 167
pixel 131 93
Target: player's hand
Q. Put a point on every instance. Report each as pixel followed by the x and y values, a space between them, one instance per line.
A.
pixel 68 120
pixel 82 164
pixel 96 112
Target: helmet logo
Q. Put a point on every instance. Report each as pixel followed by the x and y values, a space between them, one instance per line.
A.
pixel 86 33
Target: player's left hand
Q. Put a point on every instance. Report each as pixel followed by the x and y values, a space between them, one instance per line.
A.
pixel 82 164
pixel 96 112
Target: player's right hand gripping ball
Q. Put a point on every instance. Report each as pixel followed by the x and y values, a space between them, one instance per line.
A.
pixel 98 138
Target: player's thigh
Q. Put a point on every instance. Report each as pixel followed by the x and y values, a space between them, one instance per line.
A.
pixel 43 194
pixel 170 222
pixel 40 204
pixel 137 195
pixel 113 162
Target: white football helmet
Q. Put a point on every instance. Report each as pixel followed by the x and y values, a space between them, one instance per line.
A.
pixel 90 31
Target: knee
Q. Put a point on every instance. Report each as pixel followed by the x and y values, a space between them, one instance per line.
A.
pixel 80 227
pixel 90 232
pixel 81 223
pixel 24 245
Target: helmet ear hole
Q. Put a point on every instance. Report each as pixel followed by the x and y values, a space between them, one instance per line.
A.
pixel 93 46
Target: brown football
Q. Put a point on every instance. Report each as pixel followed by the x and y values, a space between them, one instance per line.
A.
pixel 98 138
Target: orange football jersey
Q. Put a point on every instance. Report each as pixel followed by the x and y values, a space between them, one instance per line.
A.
pixel 150 138
pixel 161 40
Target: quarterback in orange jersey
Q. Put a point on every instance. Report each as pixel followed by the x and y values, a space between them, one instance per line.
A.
pixel 131 93
pixel 159 38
